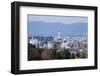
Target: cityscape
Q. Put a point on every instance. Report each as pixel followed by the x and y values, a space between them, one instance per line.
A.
pixel 57 45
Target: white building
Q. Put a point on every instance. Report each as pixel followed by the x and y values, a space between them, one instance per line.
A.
pixel 41 44
pixel 45 45
pixel 50 45
pixel 34 42
pixel 65 45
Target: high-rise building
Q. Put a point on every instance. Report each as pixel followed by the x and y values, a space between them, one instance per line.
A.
pixel 59 36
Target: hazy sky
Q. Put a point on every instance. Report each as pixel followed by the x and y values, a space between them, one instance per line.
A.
pixel 51 25
pixel 57 19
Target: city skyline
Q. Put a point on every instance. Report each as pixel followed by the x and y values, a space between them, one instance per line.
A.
pixel 49 37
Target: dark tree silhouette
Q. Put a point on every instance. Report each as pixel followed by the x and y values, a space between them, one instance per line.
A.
pixel 73 56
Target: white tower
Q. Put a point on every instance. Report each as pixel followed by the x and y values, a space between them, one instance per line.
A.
pixel 32 37
pixel 59 35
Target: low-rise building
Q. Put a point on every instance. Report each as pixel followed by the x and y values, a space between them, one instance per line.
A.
pixel 34 42
pixel 50 45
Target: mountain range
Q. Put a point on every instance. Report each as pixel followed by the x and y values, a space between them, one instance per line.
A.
pixel 51 29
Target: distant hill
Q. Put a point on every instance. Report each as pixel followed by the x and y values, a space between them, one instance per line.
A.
pixel 45 28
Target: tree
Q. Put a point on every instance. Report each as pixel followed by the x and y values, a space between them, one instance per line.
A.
pixel 60 55
pixel 73 56
pixel 53 53
pixel 31 46
pixel 47 54
pixel 67 54
pixel 84 54
pixel 78 55
pixel 33 54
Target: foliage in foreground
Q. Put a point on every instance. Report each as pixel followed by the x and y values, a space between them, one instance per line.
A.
pixel 50 54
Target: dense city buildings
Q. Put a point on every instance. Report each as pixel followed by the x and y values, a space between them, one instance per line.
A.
pixel 73 44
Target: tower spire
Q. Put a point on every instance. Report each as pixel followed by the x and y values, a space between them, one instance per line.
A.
pixel 59 35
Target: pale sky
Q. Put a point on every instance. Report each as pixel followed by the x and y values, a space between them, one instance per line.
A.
pixel 57 19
